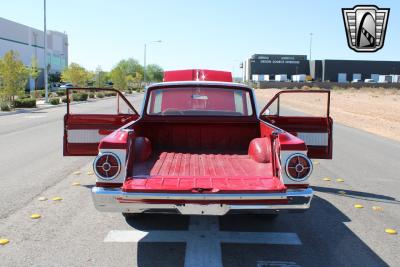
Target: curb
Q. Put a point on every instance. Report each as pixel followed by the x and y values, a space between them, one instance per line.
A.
pixel 25 110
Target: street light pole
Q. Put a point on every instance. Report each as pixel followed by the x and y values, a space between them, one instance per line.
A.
pixel 144 59
pixel 311 34
pixel 45 57
pixel 144 65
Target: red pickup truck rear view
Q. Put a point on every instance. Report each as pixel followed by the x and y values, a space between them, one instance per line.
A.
pixel 199 146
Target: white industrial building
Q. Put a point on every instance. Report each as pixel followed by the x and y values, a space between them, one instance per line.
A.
pixel 29 42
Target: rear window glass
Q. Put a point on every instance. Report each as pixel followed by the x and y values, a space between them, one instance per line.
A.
pixel 193 101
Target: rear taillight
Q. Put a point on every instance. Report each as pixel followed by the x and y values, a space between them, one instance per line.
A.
pixel 107 166
pixel 298 167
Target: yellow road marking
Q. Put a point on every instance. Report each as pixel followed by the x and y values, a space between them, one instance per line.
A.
pixel 391 231
pixel 35 216
pixel 4 241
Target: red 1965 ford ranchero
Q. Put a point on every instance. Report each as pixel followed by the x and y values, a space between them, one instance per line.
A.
pixel 199 146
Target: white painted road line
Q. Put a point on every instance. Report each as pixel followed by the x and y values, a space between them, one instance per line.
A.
pixel 272 238
pixel 203 239
pixel 34 116
pixel 205 248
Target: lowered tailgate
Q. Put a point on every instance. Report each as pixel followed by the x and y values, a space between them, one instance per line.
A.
pixel 213 185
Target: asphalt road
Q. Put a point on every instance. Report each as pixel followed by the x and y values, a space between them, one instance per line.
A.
pixel 72 233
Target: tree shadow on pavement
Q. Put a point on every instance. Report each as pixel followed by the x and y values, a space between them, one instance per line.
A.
pixel 326 240
pixel 357 194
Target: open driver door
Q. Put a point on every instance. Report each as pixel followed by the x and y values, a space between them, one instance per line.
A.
pixel 87 123
pixel 305 114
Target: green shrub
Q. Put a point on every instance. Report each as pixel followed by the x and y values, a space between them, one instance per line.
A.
pixel 84 96
pixel 4 106
pixel 24 96
pixel 99 95
pixel 80 96
pixel 75 97
pixel 64 99
pixel 110 94
pixel 25 103
pixel 54 101
pixel 61 92
pixel 91 95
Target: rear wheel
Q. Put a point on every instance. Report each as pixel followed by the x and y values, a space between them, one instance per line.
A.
pixel 131 215
pixel 267 216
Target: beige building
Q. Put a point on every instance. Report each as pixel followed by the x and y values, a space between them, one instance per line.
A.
pixel 29 42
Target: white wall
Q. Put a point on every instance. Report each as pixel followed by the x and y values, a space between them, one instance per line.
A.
pixel 29 42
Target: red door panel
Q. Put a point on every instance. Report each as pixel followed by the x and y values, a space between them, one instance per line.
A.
pixel 316 132
pixel 83 132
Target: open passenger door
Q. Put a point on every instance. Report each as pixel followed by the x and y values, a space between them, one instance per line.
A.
pixel 86 123
pixel 305 114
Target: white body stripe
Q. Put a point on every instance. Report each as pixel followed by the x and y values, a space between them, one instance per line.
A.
pixel 84 136
pixel 314 139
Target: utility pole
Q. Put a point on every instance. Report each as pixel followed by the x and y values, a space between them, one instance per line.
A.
pixel 311 34
pixel 144 65
pixel 144 59
pixel 45 57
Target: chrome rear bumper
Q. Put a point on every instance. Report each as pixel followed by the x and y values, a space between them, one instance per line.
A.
pixel 114 200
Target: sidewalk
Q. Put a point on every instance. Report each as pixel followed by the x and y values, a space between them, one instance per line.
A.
pixel 40 104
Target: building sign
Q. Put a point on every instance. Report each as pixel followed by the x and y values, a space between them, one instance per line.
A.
pixel 268 61
pixel 278 59
pixel 262 64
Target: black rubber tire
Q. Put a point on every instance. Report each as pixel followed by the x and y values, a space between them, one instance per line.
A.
pixel 268 216
pixel 131 215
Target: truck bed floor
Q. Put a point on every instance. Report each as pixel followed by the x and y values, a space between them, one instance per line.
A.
pixel 201 165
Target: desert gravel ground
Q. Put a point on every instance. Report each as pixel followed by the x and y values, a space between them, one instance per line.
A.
pixel 375 110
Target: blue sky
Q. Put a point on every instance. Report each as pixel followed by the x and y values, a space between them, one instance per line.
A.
pixel 200 34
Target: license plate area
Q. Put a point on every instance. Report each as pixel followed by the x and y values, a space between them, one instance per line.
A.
pixel 198 209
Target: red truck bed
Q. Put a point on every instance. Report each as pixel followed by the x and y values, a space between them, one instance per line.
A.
pixel 168 171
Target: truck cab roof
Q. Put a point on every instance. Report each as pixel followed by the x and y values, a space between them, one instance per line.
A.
pixel 197 75
pixel 199 83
